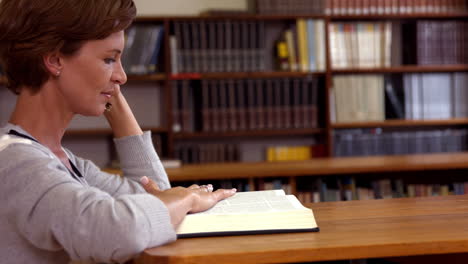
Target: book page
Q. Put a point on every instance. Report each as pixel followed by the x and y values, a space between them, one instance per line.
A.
pixel 256 202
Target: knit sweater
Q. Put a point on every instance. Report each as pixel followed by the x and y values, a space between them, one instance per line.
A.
pixel 49 216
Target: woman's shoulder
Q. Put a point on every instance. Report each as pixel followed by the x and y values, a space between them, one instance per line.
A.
pixel 16 147
pixel 30 161
pixel 25 145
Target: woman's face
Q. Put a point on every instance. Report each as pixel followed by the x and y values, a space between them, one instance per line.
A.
pixel 91 77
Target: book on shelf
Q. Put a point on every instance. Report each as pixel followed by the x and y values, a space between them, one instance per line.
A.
pixel 237 45
pixel 142 49
pixel 257 212
pixel 362 44
pixel 359 98
pixel 378 142
pixel 195 153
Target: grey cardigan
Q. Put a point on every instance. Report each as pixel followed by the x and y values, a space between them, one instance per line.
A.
pixel 48 216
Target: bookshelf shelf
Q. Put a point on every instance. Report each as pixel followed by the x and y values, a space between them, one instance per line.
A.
pixel 148 77
pixel 318 167
pixel 400 16
pixel 259 17
pixel 405 69
pixel 403 123
pixel 203 91
pixel 106 132
pixel 244 75
pixel 236 16
pixel 260 133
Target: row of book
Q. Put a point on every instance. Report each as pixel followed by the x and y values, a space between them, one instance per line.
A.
pixel 202 152
pixel 345 188
pixel 385 44
pixel 247 46
pixel 245 104
pixel 415 96
pixel 218 46
pixel 377 142
pixel 357 98
pixel 200 46
pixel 302 46
pixel 359 7
pixel 434 96
pixel 143 49
pixel 360 45
pixel 441 42
pixel 207 153
pixel 348 188
pixel 371 7
pixel 290 7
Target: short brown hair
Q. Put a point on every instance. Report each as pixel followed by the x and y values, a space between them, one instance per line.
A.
pixel 29 29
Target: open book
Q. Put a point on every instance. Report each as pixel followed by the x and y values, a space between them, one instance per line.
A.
pixel 259 212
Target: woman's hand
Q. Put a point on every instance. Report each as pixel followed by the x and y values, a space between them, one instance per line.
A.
pixel 180 200
pixel 120 116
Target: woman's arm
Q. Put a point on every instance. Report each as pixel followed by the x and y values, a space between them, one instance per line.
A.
pixel 121 118
pixel 135 150
pixel 53 211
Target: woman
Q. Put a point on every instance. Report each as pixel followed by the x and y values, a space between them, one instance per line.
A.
pixel 62 58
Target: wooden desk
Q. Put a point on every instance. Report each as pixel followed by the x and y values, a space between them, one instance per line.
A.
pixel 349 230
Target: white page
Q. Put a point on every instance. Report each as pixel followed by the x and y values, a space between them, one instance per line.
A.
pixel 255 202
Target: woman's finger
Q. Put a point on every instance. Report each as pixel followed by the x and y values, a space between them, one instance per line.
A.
pixel 149 185
pixel 194 186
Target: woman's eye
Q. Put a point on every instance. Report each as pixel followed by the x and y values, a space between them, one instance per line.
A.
pixel 109 60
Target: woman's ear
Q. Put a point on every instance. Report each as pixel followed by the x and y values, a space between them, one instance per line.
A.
pixel 53 63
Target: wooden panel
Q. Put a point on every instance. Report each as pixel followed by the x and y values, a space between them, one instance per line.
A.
pixel 400 16
pixel 248 16
pixel 404 123
pixel 147 77
pixel 105 132
pixel 258 133
pixel 348 230
pixel 243 75
pixel 320 166
pixel 406 68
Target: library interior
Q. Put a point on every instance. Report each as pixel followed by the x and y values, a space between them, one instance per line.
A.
pixel 347 104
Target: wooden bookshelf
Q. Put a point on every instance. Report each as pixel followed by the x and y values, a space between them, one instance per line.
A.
pixel 318 167
pixel 148 77
pixel 327 131
pixel 405 69
pixel 261 17
pixel 107 132
pixel 259 133
pixel 245 16
pixel 244 75
pixel 458 15
pixel 403 123
pixel 324 136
